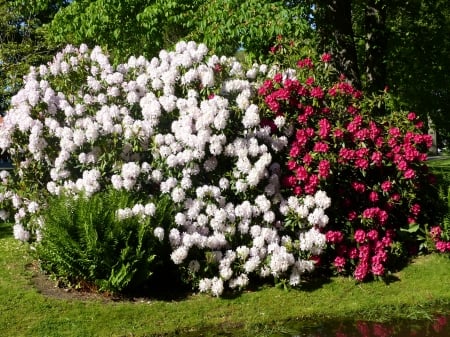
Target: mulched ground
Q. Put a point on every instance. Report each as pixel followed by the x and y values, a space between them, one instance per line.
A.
pixel 52 289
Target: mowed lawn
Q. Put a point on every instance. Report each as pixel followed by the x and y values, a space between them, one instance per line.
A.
pixel 414 292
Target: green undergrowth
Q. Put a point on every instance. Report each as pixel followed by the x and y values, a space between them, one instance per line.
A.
pixel 415 292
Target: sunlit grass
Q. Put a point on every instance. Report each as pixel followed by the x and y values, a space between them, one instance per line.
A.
pixel 414 292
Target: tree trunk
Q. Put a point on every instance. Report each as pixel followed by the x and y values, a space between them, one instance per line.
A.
pixel 375 46
pixel 334 25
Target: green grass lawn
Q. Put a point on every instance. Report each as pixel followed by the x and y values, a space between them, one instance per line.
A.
pixel 417 290
pixel 440 165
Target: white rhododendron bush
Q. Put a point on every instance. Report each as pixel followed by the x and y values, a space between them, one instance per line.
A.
pixel 183 125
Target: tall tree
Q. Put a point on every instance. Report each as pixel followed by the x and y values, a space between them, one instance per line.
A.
pixel 391 43
pixel 21 43
pixel 419 63
pixel 376 43
pixel 127 27
pixel 123 27
pixel 334 23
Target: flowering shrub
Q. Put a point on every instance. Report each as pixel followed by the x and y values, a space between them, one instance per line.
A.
pixel 441 239
pixel 374 169
pixel 246 157
pixel 179 125
pixel 439 235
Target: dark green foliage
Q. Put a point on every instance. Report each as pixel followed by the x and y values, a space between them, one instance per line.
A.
pixel 137 27
pixel 84 242
pixel 22 43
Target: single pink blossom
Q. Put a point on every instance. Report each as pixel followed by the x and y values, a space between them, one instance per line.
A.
pixel 372 235
pixel 326 57
pixel 386 186
pixel 441 246
pixel 361 271
pixel 377 269
pixel 360 236
pixel 339 263
pixel 409 173
pixel 435 232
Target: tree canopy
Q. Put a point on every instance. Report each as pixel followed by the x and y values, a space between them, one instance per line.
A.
pixel 21 42
pixel 377 44
pixel 127 27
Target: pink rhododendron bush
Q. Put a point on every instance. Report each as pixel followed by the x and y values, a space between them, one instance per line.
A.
pixel 265 172
pixel 373 168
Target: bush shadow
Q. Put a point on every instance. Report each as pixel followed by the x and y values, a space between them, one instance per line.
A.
pixel 161 287
pixel 6 230
pixel 314 284
pixel 391 278
pixel 307 284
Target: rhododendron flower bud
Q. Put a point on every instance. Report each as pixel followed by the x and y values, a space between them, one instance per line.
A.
pixel 278 78
pixel 310 81
pixel 395 197
pixel 353 253
pixel 305 63
pixel 324 168
pixel 338 133
pixel 358 187
pixel 326 57
pixel 415 209
pixel 382 216
pixel 409 173
pixel 361 271
pixel 373 196
pixel 334 236
pixel 307 159
pixel 317 92
pixel 320 147
pixel 352 215
pixel 377 269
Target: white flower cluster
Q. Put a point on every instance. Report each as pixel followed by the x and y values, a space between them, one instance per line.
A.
pixel 168 126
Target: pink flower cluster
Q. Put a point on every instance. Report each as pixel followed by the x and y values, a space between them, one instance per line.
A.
pixel 441 245
pixel 369 254
pixel 372 168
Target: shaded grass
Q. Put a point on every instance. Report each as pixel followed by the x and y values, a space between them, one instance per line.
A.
pixel 440 166
pixel 442 162
pixel 5 231
pixel 414 292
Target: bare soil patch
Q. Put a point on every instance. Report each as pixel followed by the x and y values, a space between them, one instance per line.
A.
pixel 53 289
pixel 85 292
